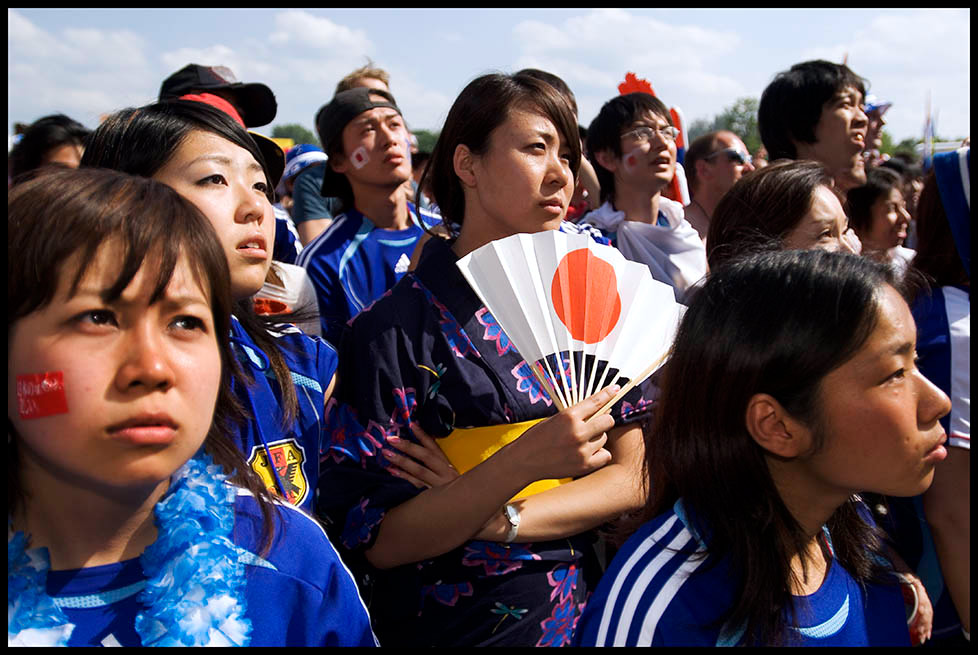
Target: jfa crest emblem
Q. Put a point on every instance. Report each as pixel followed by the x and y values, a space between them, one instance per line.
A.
pixel 287 458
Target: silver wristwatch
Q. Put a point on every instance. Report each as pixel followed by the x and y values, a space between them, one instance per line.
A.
pixel 512 515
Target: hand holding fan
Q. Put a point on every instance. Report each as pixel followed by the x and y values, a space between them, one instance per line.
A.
pixel 581 314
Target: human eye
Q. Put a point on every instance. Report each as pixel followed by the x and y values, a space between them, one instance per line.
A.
pixel 189 323
pixel 896 375
pixel 261 186
pixel 95 319
pixel 214 178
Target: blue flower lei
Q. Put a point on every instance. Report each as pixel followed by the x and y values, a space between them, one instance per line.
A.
pixel 194 594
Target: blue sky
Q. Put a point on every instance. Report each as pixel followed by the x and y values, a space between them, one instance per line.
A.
pixel 87 63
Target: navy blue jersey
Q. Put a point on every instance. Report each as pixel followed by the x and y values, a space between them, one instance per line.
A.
pixel 287 245
pixel 352 263
pixel 430 352
pixel 287 459
pixel 664 588
pixel 298 594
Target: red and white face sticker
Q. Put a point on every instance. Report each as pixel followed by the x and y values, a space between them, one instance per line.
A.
pixel 631 160
pixel 359 158
pixel 41 394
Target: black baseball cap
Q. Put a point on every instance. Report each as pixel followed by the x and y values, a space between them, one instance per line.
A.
pixel 336 115
pixel 256 101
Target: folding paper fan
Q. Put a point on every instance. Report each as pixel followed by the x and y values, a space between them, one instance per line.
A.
pixel 581 314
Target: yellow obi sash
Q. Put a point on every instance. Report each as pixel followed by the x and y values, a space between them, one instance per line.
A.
pixel 467 447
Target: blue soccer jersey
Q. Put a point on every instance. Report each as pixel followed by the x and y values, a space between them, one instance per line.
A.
pixel 352 263
pixel 287 244
pixel 664 589
pixel 287 459
pixel 298 594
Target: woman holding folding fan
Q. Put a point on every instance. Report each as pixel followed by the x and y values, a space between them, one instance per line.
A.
pixel 454 559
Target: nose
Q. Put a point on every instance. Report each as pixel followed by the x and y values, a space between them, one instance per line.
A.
pixel 393 135
pixel 850 242
pixel 860 117
pixel 904 214
pixel 558 171
pixel 748 167
pixel 932 403
pixel 145 364
pixel 251 205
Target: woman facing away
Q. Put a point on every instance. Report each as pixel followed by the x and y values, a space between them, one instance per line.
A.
pixel 791 388
pixel 449 559
pixel 132 518
pixel 211 160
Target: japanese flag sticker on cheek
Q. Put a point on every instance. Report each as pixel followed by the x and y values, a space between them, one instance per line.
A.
pixel 631 159
pixel 360 158
pixel 41 394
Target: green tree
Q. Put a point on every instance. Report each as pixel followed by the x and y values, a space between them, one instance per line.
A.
pixel 698 128
pixel 741 119
pixel 296 132
pixel 886 143
pixel 426 139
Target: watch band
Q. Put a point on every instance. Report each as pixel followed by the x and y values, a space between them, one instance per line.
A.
pixel 512 515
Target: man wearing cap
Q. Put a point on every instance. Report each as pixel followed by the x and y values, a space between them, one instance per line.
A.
pixel 368 247
pixel 875 108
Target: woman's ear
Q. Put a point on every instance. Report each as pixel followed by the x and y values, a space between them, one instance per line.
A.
pixel 464 163
pixel 607 160
pixel 774 429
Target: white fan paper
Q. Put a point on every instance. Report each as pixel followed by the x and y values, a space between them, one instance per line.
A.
pixel 581 314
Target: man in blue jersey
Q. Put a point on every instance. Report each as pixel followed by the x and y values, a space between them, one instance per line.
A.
pixel 368 247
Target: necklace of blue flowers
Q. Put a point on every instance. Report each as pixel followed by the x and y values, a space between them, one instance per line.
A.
pixel 194 594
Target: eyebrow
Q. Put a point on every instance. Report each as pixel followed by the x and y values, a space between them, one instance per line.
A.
pixel 182 300
pixel 382 117
pixel 901 349
pixel 226 161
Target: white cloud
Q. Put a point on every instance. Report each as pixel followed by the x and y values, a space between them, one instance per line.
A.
pixel 81 72
pixel 304 29
pixel 592 53
pixel 906 57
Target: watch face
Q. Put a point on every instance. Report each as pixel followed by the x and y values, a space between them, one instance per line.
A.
pixel 512 515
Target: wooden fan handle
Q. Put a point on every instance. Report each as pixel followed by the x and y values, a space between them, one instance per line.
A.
pixel 638 379
pixel 545 383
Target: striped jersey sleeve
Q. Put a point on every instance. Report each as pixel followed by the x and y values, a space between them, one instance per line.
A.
pixel 647 597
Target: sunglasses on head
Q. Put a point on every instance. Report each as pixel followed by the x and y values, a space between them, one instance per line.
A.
pixel 735 155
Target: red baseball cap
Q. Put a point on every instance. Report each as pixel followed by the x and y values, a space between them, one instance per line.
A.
pixel 255 101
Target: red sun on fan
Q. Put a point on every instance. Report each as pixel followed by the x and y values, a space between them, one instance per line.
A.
pixel 584 292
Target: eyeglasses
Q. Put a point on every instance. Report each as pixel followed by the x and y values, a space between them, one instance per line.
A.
pixel 644 133
pixel 735 155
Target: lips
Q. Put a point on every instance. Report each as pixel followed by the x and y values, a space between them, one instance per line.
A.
pixel 554 205
pixel 145 429
pixel 254 246
pixel 662 160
